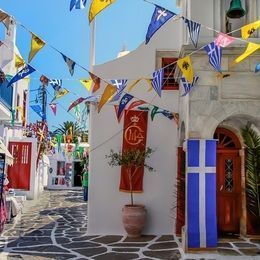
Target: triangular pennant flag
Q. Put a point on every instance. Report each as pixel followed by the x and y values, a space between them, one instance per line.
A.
pixel 123 102
pixel 96 81
pixel 60 93
pixel 109 91
pixel 194 30
pixel 251 48
pixel 56 84
pixel 19 62
pixel 76 102
pixel 186 68
pixel 70 63
pixel 97 6
pixel 78 4
pixel 160 17
pixel 176 118
pixel 135 104
pixel 120 85
pixel 215 53
pixel 3 16
pixel 28 69
pixel 167 114
pixel 53 107
pixel 249 29
pixel 86 83
pixel 38 110
pixel 257 67
pixel 116 111
pixel 157 81
pixel 188 86
pixel 133 84
pixel 149 81
pixel 223 40
pixel 36 45
pixel 154 112
pixel 44 80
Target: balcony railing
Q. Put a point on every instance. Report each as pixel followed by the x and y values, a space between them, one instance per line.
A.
pixel 6 94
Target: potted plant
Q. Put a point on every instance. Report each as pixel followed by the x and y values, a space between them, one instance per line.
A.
pixel 133 215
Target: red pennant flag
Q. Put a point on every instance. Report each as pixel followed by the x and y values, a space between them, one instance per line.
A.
pixel 53 107
pixel 76 102
pixel 116 110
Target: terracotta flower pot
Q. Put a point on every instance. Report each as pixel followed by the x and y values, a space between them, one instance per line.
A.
pixel 134 217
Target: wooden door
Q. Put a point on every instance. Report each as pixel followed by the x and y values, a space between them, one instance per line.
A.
pixel 19 173
pixel 228 192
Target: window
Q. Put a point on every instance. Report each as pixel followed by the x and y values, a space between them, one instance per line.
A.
pixel 169 82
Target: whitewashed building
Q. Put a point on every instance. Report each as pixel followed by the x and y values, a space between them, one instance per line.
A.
pixel 216 109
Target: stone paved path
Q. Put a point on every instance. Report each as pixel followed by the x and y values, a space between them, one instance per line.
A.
pixel 54 227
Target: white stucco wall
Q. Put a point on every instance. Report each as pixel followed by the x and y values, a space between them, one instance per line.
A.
pixel 105 199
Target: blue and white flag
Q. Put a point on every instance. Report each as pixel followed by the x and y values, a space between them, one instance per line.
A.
pixel 201 193
pixel 38 110
pixel 123 102
pixel 257 67
pixel 215 53
pixel 194 30
pixel 71 64
pixel 56 84
pixel 188 86
pixel 157 81
pixel 120 85
pixel 28 69
pixel 159 18
pixel 78 4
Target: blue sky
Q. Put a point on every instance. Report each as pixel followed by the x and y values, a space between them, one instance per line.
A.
pixel 124 23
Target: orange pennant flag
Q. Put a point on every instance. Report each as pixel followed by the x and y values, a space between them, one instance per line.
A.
pixel 109 91
pixel 96 81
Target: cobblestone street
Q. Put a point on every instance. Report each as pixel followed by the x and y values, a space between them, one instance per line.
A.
pixel 54 227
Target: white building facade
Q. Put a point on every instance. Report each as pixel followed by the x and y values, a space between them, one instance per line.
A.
pixel 214 112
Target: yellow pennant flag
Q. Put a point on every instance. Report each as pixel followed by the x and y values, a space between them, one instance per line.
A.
pixel 149 81
pixel 109 91
pixel 36 45
pixel 251 48
pixel 132 85
pixel 60 94
pixel 249 29
pixel 19 62
pixel 86 83
pixel 186 68
pixel 97 6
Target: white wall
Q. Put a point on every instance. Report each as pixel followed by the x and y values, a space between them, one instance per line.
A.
pixel 105 200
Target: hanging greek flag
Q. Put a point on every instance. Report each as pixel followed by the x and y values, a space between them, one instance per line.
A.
pixel 123 102
pixel 159 18
pixel 188 86
pixel 78 4
pixel 157 81
pixel 120 85
pixel 214 52
pixel 194 30
pixel 70 63
pixel 56 84
pixel 38 110
pixel 201 193
pixel 28 69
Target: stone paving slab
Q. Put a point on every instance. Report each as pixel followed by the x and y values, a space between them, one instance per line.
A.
pixel 55 227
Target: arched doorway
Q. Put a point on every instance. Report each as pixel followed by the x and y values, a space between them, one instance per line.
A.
pixel 228 182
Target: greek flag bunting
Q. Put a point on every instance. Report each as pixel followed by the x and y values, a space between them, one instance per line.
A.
pixel 194 30
pixel 120 85
pixel 214 52
pixel 159 18
pixel 201 193
pixel 56 84
pixel 157 81
pixel 188 86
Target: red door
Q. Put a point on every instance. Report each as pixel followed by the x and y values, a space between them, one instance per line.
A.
pixel 19 173
pixel 228 182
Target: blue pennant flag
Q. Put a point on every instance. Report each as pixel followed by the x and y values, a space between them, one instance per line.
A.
pixel 56 84
pixel 257 67
pixel 157 81
pixel 194 30
pixel 78 4
pixel 159 18
pixel 214 52
pixel 188 86
pixel 38 110
pixel 123 102
pixel 21 74
pixel 120 85
pixel 71 64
